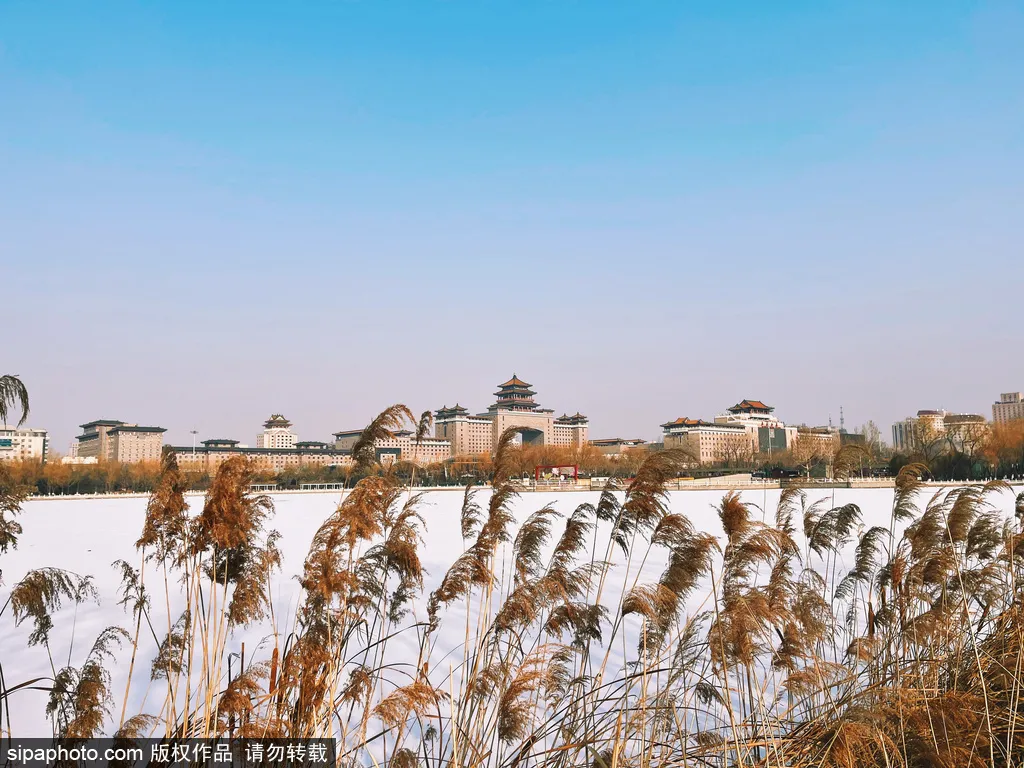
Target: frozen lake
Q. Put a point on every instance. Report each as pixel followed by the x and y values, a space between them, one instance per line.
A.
pixel 87 535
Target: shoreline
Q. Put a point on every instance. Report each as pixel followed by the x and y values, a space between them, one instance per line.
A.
pixel 682 485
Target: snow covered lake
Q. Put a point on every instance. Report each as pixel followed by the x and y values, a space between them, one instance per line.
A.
pixel 87 535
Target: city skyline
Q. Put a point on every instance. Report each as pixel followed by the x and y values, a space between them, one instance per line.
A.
pixel 183 436
pixel 214 213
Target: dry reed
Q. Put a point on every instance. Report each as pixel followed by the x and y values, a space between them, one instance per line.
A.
pixel 798 638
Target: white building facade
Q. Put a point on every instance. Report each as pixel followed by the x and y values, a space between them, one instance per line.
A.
pixel 276 433
pixel 23 444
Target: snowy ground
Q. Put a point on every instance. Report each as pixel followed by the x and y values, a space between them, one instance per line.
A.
pixel 87 536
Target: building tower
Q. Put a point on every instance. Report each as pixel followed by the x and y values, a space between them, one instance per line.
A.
pixel 276 433
pixel 516 408
pixel 515 395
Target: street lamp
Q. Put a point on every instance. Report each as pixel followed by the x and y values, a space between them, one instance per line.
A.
pixel 194 433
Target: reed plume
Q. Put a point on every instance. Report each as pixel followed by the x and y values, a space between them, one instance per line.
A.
pixel 613 632
pixel 364 452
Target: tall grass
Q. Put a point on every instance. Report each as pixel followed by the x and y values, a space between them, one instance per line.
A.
pixel 795 636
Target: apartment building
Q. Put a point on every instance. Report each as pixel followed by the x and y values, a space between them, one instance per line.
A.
pixel 17 444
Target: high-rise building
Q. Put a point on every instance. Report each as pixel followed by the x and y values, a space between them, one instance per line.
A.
pixel 130 443
pixel 112 440
pixel 1010 407
pixel 930 426
pixel 23 444
pixel 93 442
pixel 276 433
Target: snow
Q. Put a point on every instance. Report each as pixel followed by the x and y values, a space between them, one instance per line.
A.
pixel 88 535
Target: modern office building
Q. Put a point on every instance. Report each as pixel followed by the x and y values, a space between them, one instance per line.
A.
pixel 515 407
pixel 23 444
pixel 1010 407
pixel 111 440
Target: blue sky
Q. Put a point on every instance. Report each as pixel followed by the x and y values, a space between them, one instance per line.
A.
pixel 209 212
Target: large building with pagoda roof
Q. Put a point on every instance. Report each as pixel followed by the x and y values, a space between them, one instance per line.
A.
pixel 516 407
pixel 277 433
pixel 744 429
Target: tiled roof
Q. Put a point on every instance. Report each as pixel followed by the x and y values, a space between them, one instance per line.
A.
pixel 755 405
pixel 683 421
pixel 515 381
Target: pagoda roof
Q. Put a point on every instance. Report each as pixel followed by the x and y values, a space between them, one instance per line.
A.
pixel 515 381
pixel 276 420
pixel 577 418
pixel 683 421
pixel 750 405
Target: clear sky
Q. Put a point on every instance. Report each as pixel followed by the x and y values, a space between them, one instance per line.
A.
pixel 214 211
